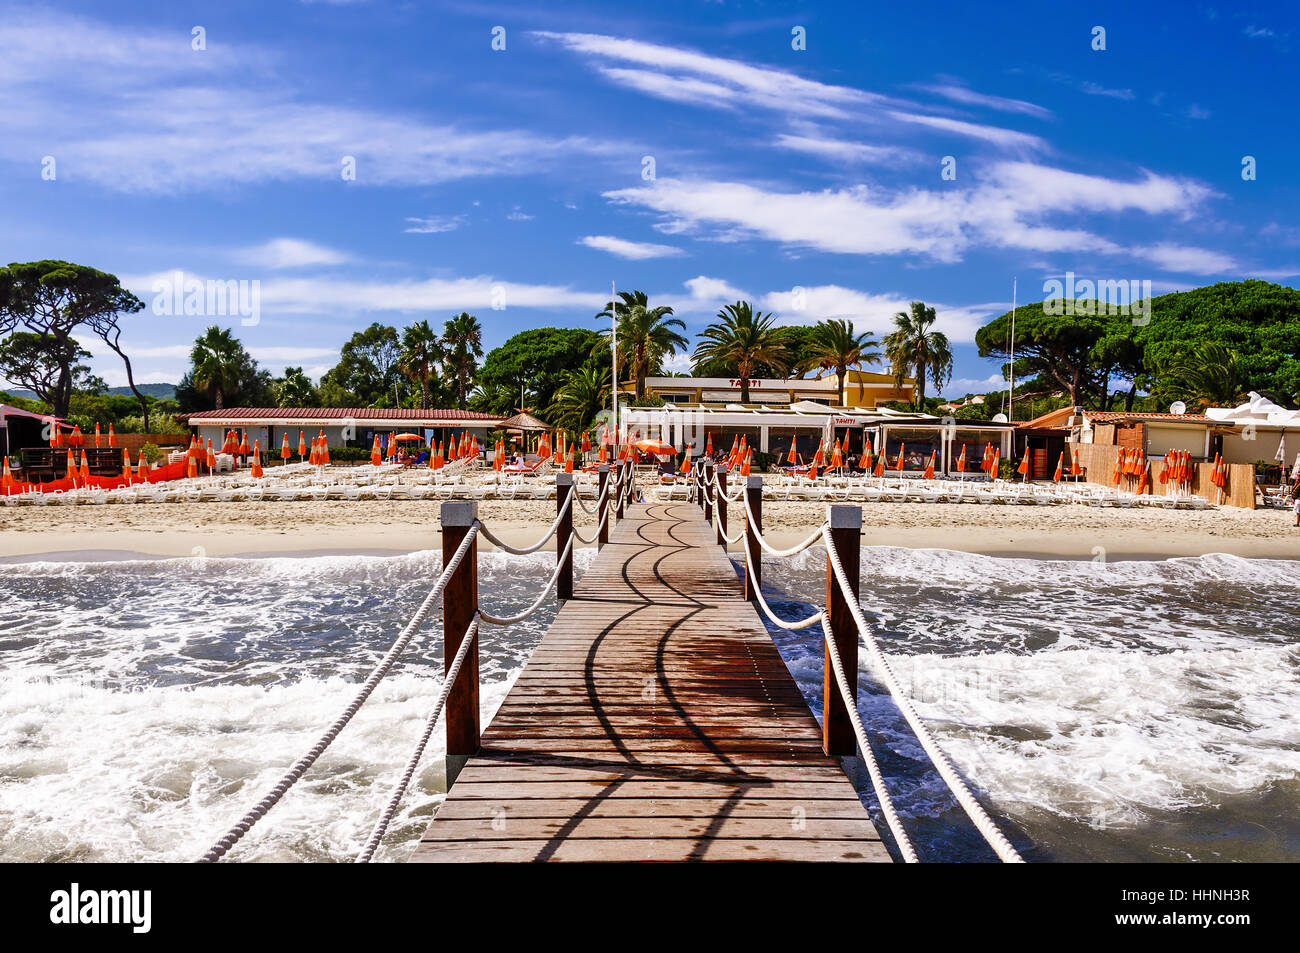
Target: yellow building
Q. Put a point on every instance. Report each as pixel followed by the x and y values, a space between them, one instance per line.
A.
pixel 861 389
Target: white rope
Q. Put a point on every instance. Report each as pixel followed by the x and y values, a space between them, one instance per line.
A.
pixel 868 755
pixel 300 767
pixel 381 827
pixel 525 550
pixel 735 539
pixel 550 585
pixel 769 549
pixel 599 526
pixel 788 626
pixel 983 823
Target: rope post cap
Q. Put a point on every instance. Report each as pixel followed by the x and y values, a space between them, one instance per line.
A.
pixel 461 513
pixel 564 479
pixel 844 517
pixel 754 482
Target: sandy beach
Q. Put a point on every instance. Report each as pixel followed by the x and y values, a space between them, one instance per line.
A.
pixel 399 526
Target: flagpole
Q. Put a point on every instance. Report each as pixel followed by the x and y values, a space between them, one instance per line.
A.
pixel 1011 367
pixel 613 356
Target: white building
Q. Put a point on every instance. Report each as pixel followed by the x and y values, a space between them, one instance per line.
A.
pixel 343 426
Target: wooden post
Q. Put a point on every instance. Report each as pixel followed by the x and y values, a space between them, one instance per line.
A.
pixel 604 508
pixel 846 537
pixel 564 488
pixel 754 493
pixel 459 603
pixel 706 479
pixel 720 528
pixel 622 490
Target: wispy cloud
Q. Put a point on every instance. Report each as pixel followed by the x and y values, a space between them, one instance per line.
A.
pixel 969 97
pixel 433 224
pixel 635 251
pixel 291 253
pixel 844 151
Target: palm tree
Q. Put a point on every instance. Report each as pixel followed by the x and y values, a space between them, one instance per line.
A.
pixel 742 338
pixel 645 335
pixel 583 394
pixel 914 347
pixel 1211 375
pixel 421 349
pixel 832 346
pixel 218 360
pixel 462 345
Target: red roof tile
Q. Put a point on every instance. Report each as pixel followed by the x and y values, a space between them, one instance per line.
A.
pixel 1108 416
pixel 335 413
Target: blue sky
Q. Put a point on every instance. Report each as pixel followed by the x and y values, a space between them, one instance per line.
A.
pixel 806 180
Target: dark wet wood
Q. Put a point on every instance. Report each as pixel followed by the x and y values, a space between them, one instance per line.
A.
pixel 655 721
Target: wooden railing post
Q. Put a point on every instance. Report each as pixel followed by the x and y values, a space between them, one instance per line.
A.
pixel 706 479
pixel 720 528
pixel 604 508
pixel 564 488
pixel 846 537
pixel 622 489
pixel 754 493
pixel 459 604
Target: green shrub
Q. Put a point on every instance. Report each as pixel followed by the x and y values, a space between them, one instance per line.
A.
pixel 151 453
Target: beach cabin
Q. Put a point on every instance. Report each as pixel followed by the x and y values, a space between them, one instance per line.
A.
pixel 343 426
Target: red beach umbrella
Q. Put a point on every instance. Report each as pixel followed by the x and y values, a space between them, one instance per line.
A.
pixel 257 459
pixel 285 451
pixel 376 456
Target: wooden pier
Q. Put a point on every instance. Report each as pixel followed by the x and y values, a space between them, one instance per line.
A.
pixel 655 721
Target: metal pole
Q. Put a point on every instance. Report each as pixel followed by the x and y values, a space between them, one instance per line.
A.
pixel 613 357
pixel 459 604
pixel 846 536
pixel 563 489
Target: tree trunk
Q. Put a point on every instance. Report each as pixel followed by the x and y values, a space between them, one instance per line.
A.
pixel 130 381
pixel 839 380
pixel 920 386
pixel 217 398
pixel 1130 397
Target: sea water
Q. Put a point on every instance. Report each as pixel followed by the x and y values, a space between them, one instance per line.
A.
pixel 1142 710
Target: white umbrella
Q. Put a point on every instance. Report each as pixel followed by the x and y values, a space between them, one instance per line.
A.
pixel 1295 470
pixel 1280 456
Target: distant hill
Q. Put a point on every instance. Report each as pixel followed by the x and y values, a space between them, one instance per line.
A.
pixel 159 391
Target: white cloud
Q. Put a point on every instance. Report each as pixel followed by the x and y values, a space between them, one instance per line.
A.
pixel 138 111
pixel 1093 89
pixel 1000 137
pixel 1187 259
pixel 433 224
pixel 519 216
pixel 969 97
pixel 291 253
pixel 636 251
pixel 840 150
pixel 1002 210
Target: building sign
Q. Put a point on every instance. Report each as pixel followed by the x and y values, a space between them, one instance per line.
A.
pixel 754 382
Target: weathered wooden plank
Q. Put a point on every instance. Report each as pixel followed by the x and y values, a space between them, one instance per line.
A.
pixel 655 721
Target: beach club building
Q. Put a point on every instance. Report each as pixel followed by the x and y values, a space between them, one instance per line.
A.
pixel 861 389
pixel 343 426
pixel 806 424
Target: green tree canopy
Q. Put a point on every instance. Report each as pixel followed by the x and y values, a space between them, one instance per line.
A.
pixel 833 346
pixel 52 299
pixel 222 374
pixel 646 336
pixel 44 364
pixel 536 360
pixel 462 346
pixel 368 373
pixel 914 346
pixel 745 339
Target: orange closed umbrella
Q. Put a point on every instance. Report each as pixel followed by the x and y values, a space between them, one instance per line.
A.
pixel 790 457
pixel 376 456
pixel 1023 469
pixel 437 457
pixel 1118 473
pixel 126 464
pixel 212 457
pixel 749 458
pixel 243 445
pixel 75 439
pixel 112 437
pixel 929 467
pixel 1060 468
pixel 708 445
pixel 819 456
pixel 325 451
pixel 1075 469
pixel 285 452
pixel 257 459
pixel 302 446
pixel 96 433
pixel 72 469
pixel 880 465
pixel 686 462
pixel 961 461
pixel 311 454
pixel 7 478
pixel 568 462
pixel 902 450
pixel 192 467
pixel 995 464
pixel 1145 479
pixel 837 456
pixel 586 441
pixel 142 469
pixel 85 469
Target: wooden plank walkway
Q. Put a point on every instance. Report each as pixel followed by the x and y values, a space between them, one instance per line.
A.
pixel 655 721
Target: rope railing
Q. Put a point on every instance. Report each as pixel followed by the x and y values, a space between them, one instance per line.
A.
pixel 381 827
pixel 259 810
pixel 956 785
pixel 617 483
pixel 979 817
